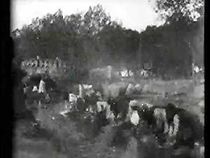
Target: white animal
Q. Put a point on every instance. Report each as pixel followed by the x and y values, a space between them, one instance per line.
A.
pixel 144 73
pixel 160 116
pixel 176 126
pixel 101 105
pixel 134 118
pixel 72 98
pixel 130 111
pixel 109 114
pixel 133 103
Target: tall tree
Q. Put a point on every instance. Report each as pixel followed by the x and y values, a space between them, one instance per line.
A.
pixel 178 10
pixel 180 32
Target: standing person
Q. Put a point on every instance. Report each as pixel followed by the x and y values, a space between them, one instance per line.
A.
pixel 42 86
pixel 38 61
pixel 57 62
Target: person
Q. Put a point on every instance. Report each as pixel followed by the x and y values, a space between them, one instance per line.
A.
pixel 42 86
pixel 38 61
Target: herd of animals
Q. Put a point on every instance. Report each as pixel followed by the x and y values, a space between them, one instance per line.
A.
pixel 170 124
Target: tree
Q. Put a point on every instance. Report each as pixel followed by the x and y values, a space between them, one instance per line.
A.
pixel 178 10
pixel 75 38
pixel 177 36
pixel 95 19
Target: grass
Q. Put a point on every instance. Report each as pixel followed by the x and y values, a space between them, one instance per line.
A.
pixel 71 137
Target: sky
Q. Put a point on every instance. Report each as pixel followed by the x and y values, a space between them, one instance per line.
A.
pixel 134 14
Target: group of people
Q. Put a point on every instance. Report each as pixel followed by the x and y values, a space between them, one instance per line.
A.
pixel 38 62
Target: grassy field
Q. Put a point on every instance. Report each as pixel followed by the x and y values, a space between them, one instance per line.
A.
pixel 73 137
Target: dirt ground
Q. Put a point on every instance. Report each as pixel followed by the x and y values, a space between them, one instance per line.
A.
pixel 72 137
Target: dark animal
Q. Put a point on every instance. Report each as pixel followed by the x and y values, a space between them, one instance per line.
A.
pixel 50 84
pixel 91 101
pixel 146 115
pixel 100 121
pixel 119 106
pixel 81 106
pixel 190 129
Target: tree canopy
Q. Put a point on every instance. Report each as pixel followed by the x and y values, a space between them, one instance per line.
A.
pixel 93 39
pixel 178 10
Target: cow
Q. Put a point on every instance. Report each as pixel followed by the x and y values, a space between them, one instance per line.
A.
pixel 142 110
pixel 90 101
pixel 104 106
pixel 81 106
pixel 101 105
pixel 161 121
pixel 72 98
pixel 189 130
pixel 179 126
pixel 119 106
pixel 135 118
pixel 145 112
pixel 131 104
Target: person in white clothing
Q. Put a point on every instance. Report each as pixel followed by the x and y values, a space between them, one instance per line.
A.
pixel 41 87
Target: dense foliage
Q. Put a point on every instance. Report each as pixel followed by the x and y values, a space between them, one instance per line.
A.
pixel 93 39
